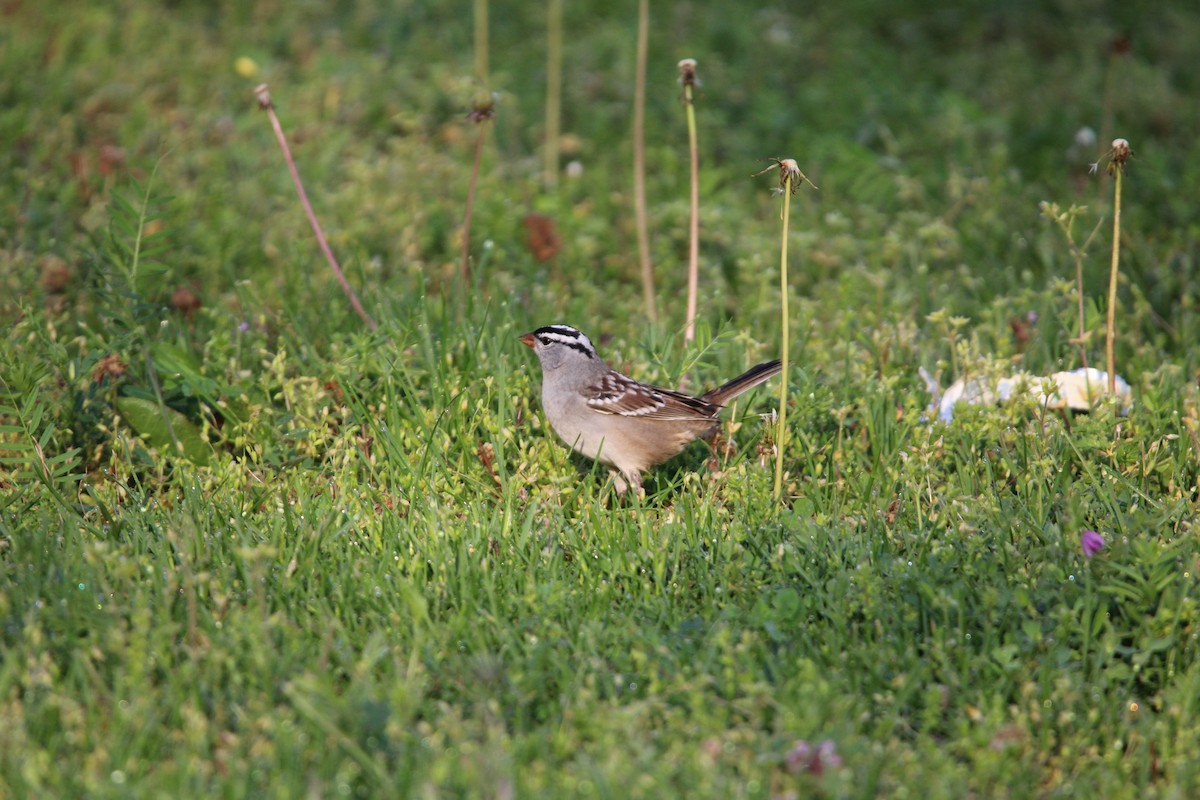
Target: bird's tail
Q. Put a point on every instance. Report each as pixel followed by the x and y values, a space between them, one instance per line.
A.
pixel 743 383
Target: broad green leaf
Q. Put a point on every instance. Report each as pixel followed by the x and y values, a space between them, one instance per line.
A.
pixel 165 429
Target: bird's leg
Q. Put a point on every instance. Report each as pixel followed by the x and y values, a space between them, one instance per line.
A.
pixel 720 448
pixel 627 480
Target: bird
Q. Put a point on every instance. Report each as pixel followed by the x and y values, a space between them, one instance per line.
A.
pixel 625 424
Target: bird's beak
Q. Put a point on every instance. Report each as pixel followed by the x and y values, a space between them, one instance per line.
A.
pixel 528 340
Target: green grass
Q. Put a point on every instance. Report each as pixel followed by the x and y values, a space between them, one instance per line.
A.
pixel 254 550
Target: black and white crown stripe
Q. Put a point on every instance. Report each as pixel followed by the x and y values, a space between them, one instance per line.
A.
pixel 566 336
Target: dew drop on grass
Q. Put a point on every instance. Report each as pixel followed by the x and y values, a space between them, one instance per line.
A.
pixel 82 586
pixel 1071 577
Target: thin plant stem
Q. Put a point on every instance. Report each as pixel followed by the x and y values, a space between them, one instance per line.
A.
pixel 481 41
pixel 639 161
pixel 1088 619
pixel 1065 220
pixel 1079 297
pixel 264 102
pixel 781 435
pixel 143 214
pixel 1079 253
pixel 790 177
pixel 688 70
pixel 554 34
pixel 1111 323
pixel 466 235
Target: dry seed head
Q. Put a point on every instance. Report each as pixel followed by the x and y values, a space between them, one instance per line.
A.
pixel 483 108
pixel 185 301
pixel 264 97
pixel 1121 151
pixel 1117 156
pixel 56 273
pixel 687 72
pixel 111 366
pixel 790 174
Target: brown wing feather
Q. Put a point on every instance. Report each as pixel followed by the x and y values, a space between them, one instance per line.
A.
pixel 617 394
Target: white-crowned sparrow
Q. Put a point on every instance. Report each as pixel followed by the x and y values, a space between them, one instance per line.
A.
pixel 616 420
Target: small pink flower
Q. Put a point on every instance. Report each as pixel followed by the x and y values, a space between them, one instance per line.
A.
pixel 803 757
pixel 1091 542
pixel 797 757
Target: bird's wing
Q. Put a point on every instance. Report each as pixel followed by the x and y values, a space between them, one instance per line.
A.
pixel 617 394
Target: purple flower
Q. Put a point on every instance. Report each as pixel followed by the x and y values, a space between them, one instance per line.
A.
pixel 1091 542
